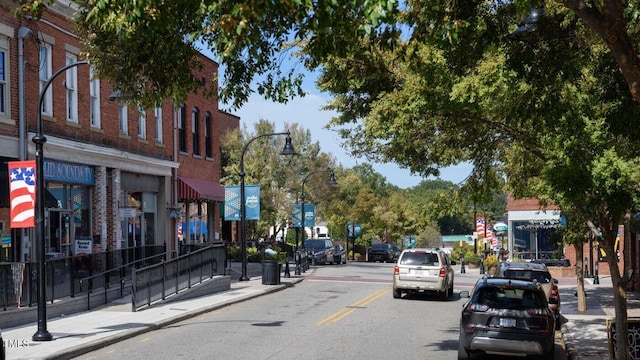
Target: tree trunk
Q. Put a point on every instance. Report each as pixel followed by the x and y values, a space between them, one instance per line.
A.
pixel 619 294
pixel 582 300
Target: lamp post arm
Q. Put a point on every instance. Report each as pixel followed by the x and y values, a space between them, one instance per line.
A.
pixel 244 149
pixel 46 87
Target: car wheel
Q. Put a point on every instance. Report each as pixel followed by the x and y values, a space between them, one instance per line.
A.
pixel 445 293
pixel 462 353
pixel 551 355
pixel 397 294
pixel 451 289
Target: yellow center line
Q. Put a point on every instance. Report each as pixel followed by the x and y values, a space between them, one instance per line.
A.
pixel 342 313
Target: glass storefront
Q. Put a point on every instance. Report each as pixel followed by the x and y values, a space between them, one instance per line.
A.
pixel 532 240
pixel 138 219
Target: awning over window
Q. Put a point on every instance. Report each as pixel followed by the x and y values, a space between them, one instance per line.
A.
pixel 196 189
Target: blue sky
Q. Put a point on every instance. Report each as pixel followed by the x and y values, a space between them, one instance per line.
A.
pixel 307 112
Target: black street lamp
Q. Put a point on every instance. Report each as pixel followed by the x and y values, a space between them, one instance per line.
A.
pixel 287 150
pixel 331 181
pixel 39 139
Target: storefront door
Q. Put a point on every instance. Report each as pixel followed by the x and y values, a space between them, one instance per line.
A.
pixel 60 234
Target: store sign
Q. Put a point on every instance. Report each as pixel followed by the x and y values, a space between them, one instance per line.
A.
pixel 68 173
pixel 83 246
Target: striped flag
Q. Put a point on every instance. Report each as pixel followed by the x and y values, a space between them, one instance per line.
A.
pixel 480 224
pixel 22 193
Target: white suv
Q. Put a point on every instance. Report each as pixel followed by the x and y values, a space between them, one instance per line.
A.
pixel 423 270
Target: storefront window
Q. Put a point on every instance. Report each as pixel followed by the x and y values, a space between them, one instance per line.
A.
pixel 533 240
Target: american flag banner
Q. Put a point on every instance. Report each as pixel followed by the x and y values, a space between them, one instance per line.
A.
pixel 480 224
pixel 22 193
pixel 492 238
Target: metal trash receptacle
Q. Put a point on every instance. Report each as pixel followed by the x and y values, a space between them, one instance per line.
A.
pixel 270 272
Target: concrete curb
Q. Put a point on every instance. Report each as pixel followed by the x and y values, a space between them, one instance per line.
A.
pixel 569 345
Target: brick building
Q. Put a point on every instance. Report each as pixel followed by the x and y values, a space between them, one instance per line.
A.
pixel 119 176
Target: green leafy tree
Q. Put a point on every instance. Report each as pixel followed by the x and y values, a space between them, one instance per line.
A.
pixel 277 175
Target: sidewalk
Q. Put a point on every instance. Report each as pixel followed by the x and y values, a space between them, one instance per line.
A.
pixel 76 334
pixel 585 334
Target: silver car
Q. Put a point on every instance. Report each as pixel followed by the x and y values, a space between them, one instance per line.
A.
pixel 423 270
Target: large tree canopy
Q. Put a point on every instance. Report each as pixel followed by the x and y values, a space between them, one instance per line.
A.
pixel 252 38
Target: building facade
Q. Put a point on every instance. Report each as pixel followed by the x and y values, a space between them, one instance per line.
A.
pixel 115 176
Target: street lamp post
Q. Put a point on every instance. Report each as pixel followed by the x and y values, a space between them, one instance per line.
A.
pixel 287 150
pixel 331 181
pixel 39 139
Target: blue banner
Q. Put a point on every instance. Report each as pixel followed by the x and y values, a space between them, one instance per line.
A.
pixel 232 202
pixel 252 202
pixel 354 229
pixel 295 216
pixel 309 215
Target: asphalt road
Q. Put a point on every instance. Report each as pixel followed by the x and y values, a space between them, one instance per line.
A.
pixel 339 311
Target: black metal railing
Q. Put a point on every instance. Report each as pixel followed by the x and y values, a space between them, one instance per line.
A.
pixel 68 276
pixel 156 282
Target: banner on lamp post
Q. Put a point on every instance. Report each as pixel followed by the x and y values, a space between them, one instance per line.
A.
pixel 22 193
pixel 309 215
pixel 232 202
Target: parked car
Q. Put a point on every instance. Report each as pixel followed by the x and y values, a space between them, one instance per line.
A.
pixel 396 253
pixel 320 250
pixel 340 254
pixel 381 252
pixel 506 317
pixel 538 272
pixel 423 270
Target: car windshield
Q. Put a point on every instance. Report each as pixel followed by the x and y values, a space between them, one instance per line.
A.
pixel 509 298
pixel 528 275
pixel 420 258
pixel 380 247
pixel 313 244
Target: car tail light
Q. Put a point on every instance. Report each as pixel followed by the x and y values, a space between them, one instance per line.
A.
pixel 396 270
pixel 477 307
pixel 442 272
pixel 540 312
pixel 554 291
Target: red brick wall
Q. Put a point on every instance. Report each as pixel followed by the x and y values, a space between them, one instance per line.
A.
pixel 525 204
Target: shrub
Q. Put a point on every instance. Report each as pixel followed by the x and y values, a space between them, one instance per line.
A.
pixel 471 257
pixel 490 261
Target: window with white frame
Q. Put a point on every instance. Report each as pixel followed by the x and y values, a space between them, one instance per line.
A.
pixel 182 133
pixel 157 113
pixel 123 120
pixel 4 75
pixel 142 123
pixel 94 95
pixel 208 150
pixel 195 130
pixel 44 73
pixel 71 84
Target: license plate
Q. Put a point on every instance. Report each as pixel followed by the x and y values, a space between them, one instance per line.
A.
pixel 507 322
pixel 418 272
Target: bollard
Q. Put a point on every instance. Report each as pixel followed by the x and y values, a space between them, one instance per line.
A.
pixel 298 265
pixel 287 273
pixel 596 279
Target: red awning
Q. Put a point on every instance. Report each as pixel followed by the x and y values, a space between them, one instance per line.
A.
pixel 196 189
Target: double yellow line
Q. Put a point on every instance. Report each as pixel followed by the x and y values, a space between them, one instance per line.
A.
pixel 341 314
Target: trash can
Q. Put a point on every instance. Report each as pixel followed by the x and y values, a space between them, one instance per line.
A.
pixel 270 272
